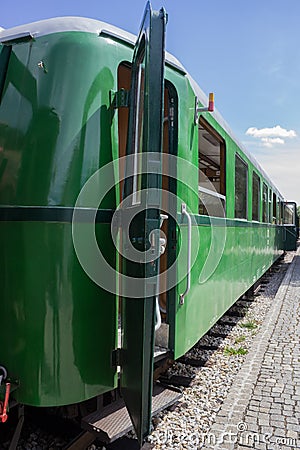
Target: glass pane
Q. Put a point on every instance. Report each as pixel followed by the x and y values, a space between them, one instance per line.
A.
pixel 255 197
pixel 241 181
pixel 211 181
pixel 270 205
pixel 4 59
pixel 288 215
pixel 265 203
pixel 211 204
pixel 274 208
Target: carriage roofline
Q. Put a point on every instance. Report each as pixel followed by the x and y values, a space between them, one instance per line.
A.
pixel 61 24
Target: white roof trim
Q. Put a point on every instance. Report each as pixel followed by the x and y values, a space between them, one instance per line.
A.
pixel 61 24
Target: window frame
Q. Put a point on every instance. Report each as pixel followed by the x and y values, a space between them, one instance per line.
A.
pixel 239 158
pixel 204 191
pixel 274 216
pixel 265 203
pixel 255 175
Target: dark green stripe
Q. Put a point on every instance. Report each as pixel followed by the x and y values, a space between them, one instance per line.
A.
pixel 53 214
pixel 222 222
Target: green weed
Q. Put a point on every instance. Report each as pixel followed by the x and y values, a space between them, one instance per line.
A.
pixel 250 325
pixel 231 351
pixel 240 339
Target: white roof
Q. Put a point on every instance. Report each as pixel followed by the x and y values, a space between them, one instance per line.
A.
pixel 57 24
pixel 60 24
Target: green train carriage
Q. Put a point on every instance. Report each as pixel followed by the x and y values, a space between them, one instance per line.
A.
pixel 78 95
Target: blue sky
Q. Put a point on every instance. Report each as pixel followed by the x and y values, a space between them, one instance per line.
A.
pixel 245 52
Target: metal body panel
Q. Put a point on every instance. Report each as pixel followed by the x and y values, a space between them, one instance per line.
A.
pixel 248 253
pixel 59 326
pixel 249 248
pixel 291 237
pixel 55 131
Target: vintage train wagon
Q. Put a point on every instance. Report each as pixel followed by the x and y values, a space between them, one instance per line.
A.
pixel 100 131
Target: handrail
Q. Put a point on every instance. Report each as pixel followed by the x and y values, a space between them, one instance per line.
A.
pixel 189 253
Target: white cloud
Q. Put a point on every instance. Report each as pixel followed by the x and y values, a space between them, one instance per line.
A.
pixel 269 142
pixel 1 29
pixel 282 166
pixel 276 131
pixel 270 137
pixel 284 172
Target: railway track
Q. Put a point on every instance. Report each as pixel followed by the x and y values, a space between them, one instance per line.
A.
pixel 204 375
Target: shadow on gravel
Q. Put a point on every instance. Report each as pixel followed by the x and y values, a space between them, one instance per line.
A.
pixel 127 444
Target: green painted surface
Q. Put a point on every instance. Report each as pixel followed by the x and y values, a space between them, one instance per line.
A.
pixel 59 326
pixel 291 237
pixel 250 248
pixel 248 253
pixel 55 131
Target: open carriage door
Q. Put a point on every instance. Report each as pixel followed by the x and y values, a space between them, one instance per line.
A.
pixel 140 215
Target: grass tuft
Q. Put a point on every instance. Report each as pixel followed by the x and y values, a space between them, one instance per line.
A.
pixel 250 325
pixel 231 351
pixel 240 339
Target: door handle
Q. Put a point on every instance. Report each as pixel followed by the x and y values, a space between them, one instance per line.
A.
pixel 189 253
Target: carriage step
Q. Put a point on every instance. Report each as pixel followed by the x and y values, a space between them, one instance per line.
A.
pixel 161 353
pixel 113 421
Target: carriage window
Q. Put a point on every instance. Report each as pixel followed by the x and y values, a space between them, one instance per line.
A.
pixel 289 214
pixel 211 185
pixel 274 208
pixel 4 60
pixel 133 183
pixel 265 203
pixel 270 206
pixel 241 183
pixel 280 211
pixel 255 197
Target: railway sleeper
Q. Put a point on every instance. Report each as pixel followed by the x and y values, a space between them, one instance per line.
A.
pixel 230 321
pixel 218 334
pixel 176 380
pixel 236 313
pixel 193 362
pixel 204 347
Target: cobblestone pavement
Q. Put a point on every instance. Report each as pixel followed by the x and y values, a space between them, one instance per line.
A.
pixel 262 409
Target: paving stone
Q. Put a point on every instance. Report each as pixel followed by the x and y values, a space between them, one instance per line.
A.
pixel 275 417
pixel 294 427
pixel 292 434
pixel 264 422
pixel 264 410
pixel 292 419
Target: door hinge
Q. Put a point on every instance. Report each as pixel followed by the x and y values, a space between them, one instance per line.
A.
pixel 117 357
pixel 120 99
